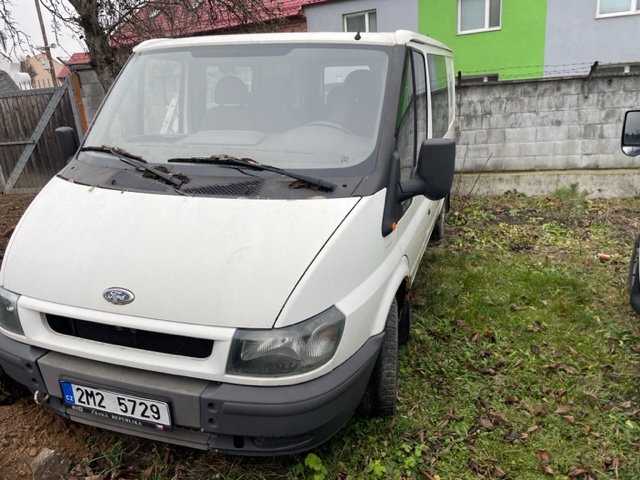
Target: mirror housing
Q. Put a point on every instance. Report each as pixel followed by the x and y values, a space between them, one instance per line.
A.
pixel 67 141
pixel 630 140
pixel 434 176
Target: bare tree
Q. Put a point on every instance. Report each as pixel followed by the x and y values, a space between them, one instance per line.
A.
pixel 110 28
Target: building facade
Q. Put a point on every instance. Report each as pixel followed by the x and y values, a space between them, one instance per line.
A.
pixel 503 39
pixel 361 15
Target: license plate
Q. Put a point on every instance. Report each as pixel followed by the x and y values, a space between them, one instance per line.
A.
pixel 117 406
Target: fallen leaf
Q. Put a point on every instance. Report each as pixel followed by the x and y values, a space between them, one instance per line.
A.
pixel 586 430
pixel 626 404
pixel 483 422
pixel 568 370
pixel 533 428
pixel 572 350
pixel 563 409
pixel 591 396
pixel 561 392
pixel 499 416
pixel 569 418
pixel 544 462
pixel 498 472
pixel 510 436
pixel 535 349
pixel 536 326
pixel 487 371
pixel 511 399
pixel 577 471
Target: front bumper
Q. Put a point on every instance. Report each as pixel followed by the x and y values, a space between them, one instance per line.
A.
pixel 237 419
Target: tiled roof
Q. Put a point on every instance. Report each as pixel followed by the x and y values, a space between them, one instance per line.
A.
pixel 313 2
pixel 177 26
pixel 80 58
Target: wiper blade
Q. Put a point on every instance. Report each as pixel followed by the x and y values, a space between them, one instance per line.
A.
pixel 229 161
pixel 136 161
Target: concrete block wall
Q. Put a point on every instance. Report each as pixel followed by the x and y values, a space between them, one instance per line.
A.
pixel 92 92
pixel 545 126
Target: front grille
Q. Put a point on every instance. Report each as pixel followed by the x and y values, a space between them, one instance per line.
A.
pixel 128 337
pixel 238 189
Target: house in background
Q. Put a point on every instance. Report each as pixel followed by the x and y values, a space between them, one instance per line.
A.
pixel 361 15
pixel 580 32
pixel 503 39
pixel 41 77
pixel 491 39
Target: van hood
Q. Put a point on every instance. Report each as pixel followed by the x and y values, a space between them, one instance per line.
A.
pixel 228 262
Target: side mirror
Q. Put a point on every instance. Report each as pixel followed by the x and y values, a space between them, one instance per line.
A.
pixel 436 164
pixel 630 141
pixel 67 141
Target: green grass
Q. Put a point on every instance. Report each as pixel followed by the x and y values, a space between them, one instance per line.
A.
pixel 524 361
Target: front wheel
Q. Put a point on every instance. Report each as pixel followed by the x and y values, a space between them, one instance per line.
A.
pixel 380 397
pixel 438 228
pixel 633 283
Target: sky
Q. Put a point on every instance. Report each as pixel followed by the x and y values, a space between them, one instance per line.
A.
pixel 25 15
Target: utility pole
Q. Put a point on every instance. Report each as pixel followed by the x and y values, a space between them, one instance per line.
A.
pixel 47 48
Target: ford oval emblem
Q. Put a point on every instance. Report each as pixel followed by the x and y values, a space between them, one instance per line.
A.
pixel 118 296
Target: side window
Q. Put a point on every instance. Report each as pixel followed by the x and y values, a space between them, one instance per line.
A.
pixel 421 98
pixel 361 22
pixel 617 7
pixel 441 97
pixel 161 108
pixel 152 103
pixel 479 15
pixel 406 122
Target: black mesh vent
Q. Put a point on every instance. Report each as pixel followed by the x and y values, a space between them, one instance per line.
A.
pixel 127 337
pixel 239 189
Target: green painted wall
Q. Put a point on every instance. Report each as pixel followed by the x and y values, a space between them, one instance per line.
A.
pixel 514 51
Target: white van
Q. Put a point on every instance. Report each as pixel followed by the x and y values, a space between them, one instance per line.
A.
pixel 224 262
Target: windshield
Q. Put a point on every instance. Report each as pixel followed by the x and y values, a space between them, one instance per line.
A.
pixel 294 107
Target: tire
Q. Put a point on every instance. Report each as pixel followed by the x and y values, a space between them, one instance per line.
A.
pixel 632 278
pixel 404 327
pixel 438 228
pixel 380 396
pixel 633 282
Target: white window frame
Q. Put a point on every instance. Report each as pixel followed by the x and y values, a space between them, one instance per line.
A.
pixel 366 14
pixel 486 28
pixel 635 10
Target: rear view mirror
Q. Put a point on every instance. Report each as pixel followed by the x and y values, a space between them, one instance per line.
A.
pixel 631 133
pixel 436 163
pixel 67 141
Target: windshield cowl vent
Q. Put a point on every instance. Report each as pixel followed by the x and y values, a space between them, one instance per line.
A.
pixel 238 189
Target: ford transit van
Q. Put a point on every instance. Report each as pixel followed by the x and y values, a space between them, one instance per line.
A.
pixel 224 262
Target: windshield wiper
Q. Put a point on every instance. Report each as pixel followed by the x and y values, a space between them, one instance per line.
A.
pixel 136 161
pixel 229 161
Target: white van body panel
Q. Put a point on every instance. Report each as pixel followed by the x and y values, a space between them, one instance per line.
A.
pixel 250 253
pixel 399 37
pixel 363 269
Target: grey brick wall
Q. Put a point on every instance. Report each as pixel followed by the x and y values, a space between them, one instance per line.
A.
pixel 544 125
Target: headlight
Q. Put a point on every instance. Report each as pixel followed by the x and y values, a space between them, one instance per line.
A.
pixel 287 351
pixel 9 312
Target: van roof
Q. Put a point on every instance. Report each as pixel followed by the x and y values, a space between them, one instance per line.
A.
pixel 400 37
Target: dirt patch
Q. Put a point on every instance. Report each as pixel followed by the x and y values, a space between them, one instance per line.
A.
pixel 26 428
